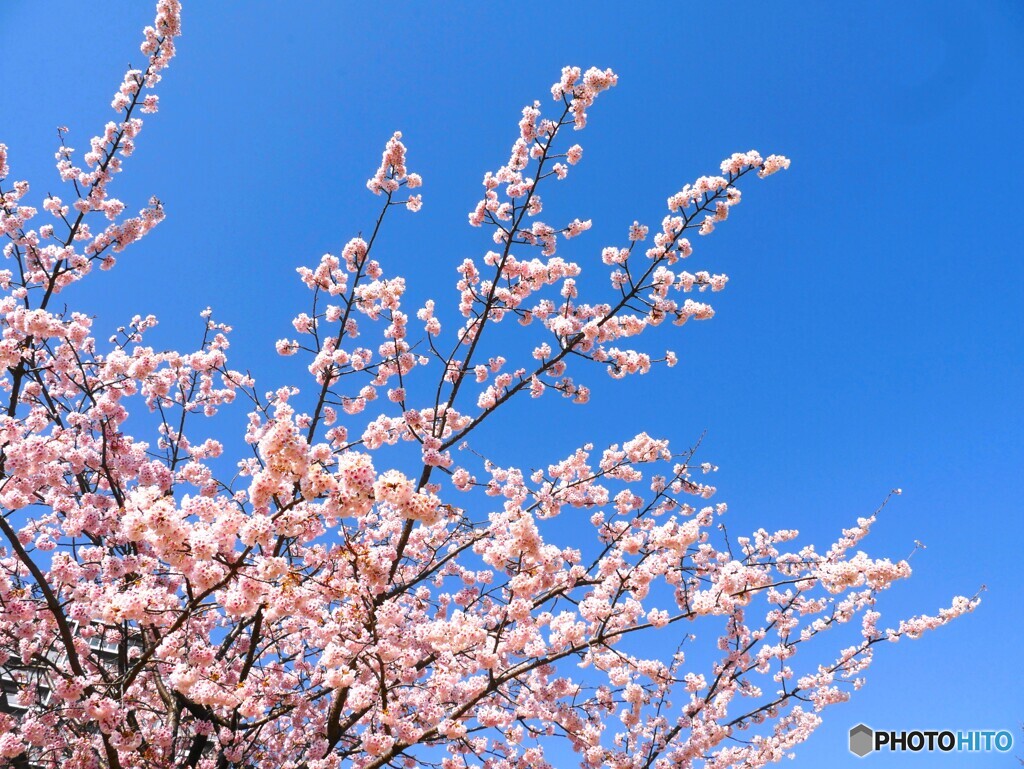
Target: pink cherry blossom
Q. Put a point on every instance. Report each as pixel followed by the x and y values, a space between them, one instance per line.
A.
pixel 361 585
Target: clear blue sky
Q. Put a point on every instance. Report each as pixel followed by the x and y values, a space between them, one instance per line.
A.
pixel 870 336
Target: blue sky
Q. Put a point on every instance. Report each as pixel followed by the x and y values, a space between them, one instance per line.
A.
pixel 870 336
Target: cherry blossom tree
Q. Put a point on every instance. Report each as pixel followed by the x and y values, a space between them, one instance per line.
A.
pixel 331 602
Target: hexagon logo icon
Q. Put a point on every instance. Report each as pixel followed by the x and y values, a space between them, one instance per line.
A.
pixel 862 740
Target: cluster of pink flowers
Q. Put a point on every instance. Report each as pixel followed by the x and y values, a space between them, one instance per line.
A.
pixel 579 89
pixel 327 600
pixel 392 174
